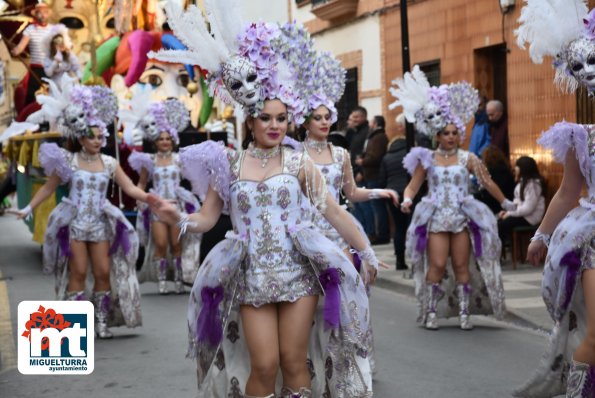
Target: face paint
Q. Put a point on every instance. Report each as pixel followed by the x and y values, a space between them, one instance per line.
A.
pixel 239 76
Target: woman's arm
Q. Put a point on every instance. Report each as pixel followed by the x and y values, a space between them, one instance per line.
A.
pixel 418 178
pixel 477 167
pixel 355 194
pixel 199 222
pixel 567 195
pixel 42 194
pixel 128 186
pixel 143 179
pixel 50 66
pixel 563 201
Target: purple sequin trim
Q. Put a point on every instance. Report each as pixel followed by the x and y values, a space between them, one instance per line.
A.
pixel 330 281
pixel 208 325
pixel 64 240
pixel 121 239
pixel 572 261
pixel 421 231
pixel 476 232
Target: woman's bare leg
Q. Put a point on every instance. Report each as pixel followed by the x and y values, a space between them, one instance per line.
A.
pixel 77 265
pixel 262 337
pixel 295 324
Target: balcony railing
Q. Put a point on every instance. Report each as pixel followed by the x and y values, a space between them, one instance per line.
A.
pixel 334 9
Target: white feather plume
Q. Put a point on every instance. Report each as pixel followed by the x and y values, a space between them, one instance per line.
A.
pixel 226 21
pixel 54 103
pixel 547 26
pixel 136 108
pixel 17 128
pixel 191 28
pixel 411 92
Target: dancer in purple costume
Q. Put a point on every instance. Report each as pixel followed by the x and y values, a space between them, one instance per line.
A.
pixel 449 222
pixel 567 232
pixel 85 224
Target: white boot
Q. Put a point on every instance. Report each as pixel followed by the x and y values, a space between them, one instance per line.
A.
pixel 464 295
pixel 253 396
pixel 581 380
pixel 434 293
pixel 161 268
pixel 102 301
pixel 75 296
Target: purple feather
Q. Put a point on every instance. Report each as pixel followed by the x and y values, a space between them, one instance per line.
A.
pixel 357 262
pixel 589 386
pixel 418 155
pixel 290 142
pixel 561 137
pixel 330 281
pixel 421 231
pixel 467 288
pixel 572 261
pixel 105 303
pixel 189 207
pixel 205 165
pixel 146 214
pixel 121 239
pixel 208 324
pixel 139 161
pixel 64 240
pixel 53 160
pixel 476 232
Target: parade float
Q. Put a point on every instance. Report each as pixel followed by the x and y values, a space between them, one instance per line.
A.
pixel 111 41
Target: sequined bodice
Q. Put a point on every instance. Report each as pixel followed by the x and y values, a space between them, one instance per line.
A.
pixel 166 179
pixel 88 191
pixel 263 212
pixel 333 172
pixel 448 185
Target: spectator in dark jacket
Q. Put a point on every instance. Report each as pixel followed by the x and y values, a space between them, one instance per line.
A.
pixel 498 126
pixel 357 132
pixel 394 176
pixel 498 166
pixel 374 150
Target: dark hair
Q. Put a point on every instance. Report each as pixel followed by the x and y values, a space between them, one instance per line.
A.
pixel 73 145
pixel 54 50
pixel 248 136
pixel 493 157
pixel 360 109
pixel 528 171
pixel 380 122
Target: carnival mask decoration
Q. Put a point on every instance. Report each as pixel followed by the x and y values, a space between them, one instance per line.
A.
pixel 240 79
pixel 580 60
pixel 75 119
pixel 149 126
pixel 433 116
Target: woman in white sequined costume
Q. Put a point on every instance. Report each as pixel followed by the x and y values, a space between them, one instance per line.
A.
pixel 85 224
pixel 160 123
pixel 262 283
pixel 254 307
pixel 449 222
pixel 567 232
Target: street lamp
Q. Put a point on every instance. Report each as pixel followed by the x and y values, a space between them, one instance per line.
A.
pixel 506 5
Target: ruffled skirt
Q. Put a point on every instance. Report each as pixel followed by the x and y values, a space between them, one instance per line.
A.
pixel 487 291
pixel 571 251
pixel 187 204
pixel 123 240
pixel 337 356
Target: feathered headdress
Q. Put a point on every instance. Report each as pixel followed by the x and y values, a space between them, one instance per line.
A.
pixel 71 108
pixel 563 30
pixel 153 118
pixel 243 61
pixel 432 108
